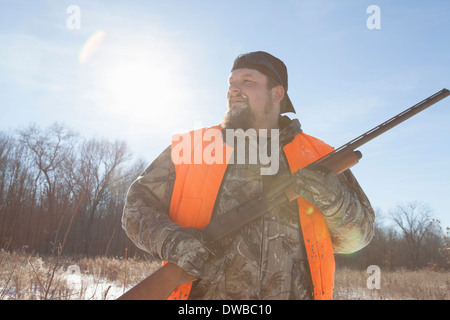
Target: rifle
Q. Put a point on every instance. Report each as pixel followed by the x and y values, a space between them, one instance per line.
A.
pixel 162 282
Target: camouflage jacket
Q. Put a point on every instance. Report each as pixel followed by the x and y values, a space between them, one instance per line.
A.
pixel 265 259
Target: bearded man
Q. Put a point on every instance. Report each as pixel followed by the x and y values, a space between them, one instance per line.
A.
pixel 286 254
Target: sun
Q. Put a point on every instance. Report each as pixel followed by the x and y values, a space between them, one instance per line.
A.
pixel 140 78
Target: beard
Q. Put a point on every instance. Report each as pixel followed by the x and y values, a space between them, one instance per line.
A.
pixel 241 116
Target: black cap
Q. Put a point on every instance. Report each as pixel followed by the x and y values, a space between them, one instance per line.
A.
pixel 270 66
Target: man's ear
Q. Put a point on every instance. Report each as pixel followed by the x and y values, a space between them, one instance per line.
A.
pixel 277 93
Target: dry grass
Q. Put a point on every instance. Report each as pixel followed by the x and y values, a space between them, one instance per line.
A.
pixel 394 285
pixel 28 277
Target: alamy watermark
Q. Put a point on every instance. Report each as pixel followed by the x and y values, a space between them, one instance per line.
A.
pixel 74 19
pixel 374 20
pixel 374 280
pixel 249 146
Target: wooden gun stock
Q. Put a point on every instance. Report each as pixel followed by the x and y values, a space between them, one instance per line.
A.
pixel 344 161
pixel 159 285
pixel 162 282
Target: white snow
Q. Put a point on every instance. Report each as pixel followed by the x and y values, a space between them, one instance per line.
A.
pixel 78 286
pixel 89 287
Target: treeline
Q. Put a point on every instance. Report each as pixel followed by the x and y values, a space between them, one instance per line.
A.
pixel 60 191
pixel 405 237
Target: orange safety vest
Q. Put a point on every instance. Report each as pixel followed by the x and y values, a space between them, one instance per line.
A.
pixel 197 185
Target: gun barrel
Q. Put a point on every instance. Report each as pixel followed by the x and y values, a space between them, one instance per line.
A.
pixel 389 124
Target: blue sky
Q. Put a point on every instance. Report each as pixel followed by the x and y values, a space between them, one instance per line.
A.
pixel 152 68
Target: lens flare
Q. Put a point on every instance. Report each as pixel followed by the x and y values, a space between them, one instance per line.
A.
pixel 91 46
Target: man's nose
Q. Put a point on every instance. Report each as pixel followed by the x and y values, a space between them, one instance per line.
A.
pixel 233 89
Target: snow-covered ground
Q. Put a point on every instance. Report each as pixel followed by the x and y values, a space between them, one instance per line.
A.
pixel 89 287
pixel 75 286
pixel 24 279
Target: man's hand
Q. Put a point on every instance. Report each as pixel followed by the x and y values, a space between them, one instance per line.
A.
pixel 321 187
pixel 184 248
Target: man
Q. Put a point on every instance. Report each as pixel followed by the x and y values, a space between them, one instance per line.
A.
pixel 286 254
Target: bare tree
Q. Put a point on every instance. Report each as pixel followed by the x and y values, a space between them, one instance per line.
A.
pixel 49 174
pixel 100 164
pixel 16 191
pixel 414 221
pixel 49 150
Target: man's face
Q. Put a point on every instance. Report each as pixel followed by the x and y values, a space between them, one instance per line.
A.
pixel 250 101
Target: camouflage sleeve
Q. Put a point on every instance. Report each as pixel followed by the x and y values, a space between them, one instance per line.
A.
pixel 145 216
pixel 351 227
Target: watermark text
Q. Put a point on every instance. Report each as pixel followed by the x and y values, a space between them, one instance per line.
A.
pixel 208 147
